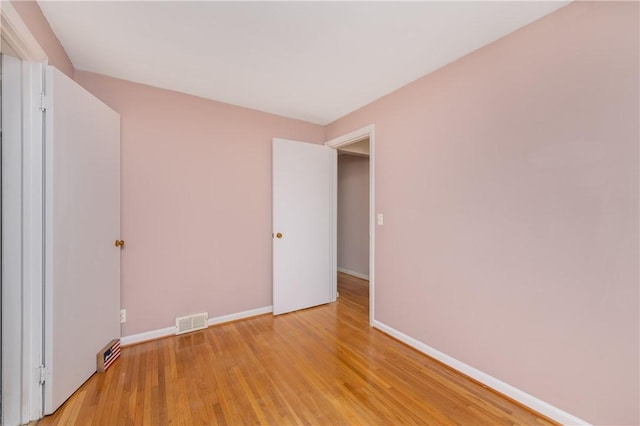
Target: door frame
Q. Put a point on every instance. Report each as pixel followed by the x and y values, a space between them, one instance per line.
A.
pixel 28 192
pixel 17 34
pixel 341 142
pixel 23 188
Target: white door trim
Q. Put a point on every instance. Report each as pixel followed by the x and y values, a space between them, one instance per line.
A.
pixel 29 195
pixel 348 139
pixel 12 229
pixel 17 34
pixel 22 191
pixel 33 241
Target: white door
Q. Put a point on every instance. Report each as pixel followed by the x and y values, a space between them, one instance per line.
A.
pixel 303 223
pixel 82 210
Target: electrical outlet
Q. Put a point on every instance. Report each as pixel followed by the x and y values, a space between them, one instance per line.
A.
pixel 123 315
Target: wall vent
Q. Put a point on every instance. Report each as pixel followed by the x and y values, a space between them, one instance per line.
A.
pixel 191 323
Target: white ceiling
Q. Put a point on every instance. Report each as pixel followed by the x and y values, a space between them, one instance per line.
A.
pixel 315 61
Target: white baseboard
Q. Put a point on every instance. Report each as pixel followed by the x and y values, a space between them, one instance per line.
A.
pixel 355 274
pixel 240 315
pixel 504 388
pixel 147 335
pixel 169 331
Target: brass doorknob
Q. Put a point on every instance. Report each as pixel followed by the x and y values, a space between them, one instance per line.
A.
pixel 278 235
pixel 119 243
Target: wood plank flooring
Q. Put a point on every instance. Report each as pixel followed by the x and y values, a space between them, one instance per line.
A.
pixel 320 366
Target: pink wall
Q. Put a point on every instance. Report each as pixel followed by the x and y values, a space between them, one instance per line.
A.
pixel 32 16
pixel 509 184
pixel 353 213
pixel 196 202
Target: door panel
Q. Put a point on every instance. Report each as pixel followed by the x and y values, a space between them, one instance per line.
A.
pixel 303 258
pixel 82 289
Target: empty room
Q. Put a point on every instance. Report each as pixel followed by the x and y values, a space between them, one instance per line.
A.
pixel 308 212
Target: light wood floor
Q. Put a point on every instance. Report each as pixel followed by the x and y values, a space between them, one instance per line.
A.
pixel 322 366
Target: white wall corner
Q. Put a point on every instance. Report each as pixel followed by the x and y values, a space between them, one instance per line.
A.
pixel 518 395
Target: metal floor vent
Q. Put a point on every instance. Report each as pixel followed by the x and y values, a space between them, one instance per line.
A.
pixel 191 323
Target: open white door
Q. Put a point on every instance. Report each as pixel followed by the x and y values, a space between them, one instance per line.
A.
pixel 303 223
pixel 82 210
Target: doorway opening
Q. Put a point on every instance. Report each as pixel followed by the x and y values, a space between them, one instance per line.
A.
pixel 354 231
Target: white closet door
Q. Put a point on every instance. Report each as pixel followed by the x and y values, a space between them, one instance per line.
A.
pixel 82 285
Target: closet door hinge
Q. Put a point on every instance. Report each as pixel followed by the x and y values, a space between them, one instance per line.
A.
pixel 43 101
pixel 43 375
